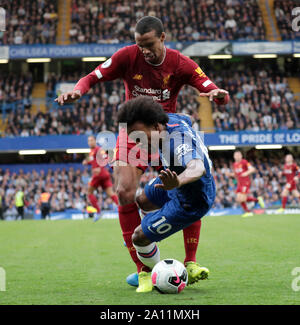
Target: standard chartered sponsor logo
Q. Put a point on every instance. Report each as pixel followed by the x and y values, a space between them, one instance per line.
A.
pixel 149 91
pixel 157 94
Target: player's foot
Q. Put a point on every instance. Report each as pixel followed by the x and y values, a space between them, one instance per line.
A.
pixel 145 282
pixel 196 272
pixel 247 214
pixel 133 279
pixel 261 202
pixel 280 210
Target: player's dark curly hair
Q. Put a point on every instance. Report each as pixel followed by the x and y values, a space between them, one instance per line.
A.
pixel 142 109
pixel 149 23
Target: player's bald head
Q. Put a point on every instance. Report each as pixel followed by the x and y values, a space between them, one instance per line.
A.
pixel 148 24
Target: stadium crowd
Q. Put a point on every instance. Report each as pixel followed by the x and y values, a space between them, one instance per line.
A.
pixel 283 13
pixel 29 22
pixel 15 93
pixel 261 99
pixel 187 20
pixel 68 188
pixel 265 182
pixel 35 22
pixel 94 113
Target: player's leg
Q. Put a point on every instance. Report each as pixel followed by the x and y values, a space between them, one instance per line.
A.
pixel 258 200
pixel 191 235
pixel 147 251
pixel 242 200
pixel 284 198
pixel 111 193
pixel 158 225
pixel 91 196
pixel 152 199
pixel 107 186
pixel 127 180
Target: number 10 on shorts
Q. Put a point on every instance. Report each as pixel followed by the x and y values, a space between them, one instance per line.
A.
pixel 161 226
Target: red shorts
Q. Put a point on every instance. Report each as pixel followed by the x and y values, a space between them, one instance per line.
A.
pixel 243 188
pixel 130 153
pixel 103 179
pixel 291 186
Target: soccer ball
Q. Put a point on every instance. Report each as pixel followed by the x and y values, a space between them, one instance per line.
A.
pixel 169 276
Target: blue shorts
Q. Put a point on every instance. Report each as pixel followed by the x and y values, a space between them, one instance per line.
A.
pixel 171 217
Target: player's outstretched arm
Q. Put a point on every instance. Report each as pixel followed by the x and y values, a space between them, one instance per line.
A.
pixel 215 94
pixel 170 180
pixel 68 97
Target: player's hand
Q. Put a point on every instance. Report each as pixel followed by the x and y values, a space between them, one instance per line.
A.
pixel 69 97
pixel 215 93
pixel 296 179
pixel 169 180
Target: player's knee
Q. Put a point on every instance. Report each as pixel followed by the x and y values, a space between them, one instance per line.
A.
pixel 139 238
pixel 144 203
pixel 126 195
pixel 141 201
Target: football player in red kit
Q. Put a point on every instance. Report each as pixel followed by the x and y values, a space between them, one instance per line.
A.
pixel 242 170
pixel 148 68
pixel 100 175
pixel 291 172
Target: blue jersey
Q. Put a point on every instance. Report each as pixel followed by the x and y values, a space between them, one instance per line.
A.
pixel 181 145
pixel 180 207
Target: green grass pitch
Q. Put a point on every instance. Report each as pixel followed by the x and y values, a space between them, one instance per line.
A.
pixel 80 262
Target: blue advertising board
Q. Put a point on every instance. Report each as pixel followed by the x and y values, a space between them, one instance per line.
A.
pixel 63 142
pixel 188 48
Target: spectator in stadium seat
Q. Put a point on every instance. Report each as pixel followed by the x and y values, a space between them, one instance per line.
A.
pixel 30 22
pixel 205 22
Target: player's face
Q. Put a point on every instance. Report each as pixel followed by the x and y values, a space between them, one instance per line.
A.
pixel 237 156
pixel 151 46
pixel 148 136
pixel 92 142
pixel 289 159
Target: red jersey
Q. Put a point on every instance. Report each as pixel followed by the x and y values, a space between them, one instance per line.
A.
pixel 162 81
pixel 96 156
pixel 240 168
pixel 290 171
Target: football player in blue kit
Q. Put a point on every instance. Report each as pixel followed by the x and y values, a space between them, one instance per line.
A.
pixel 185 189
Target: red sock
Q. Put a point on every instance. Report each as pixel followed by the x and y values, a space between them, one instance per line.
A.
pixel 115 199
pixel 191 236
pixel 284 201
pixel 94 202
pixel 244 206
pixel 129 218
pixel 252 199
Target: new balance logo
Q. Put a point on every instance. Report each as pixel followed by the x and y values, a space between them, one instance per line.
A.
pixel 138 77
